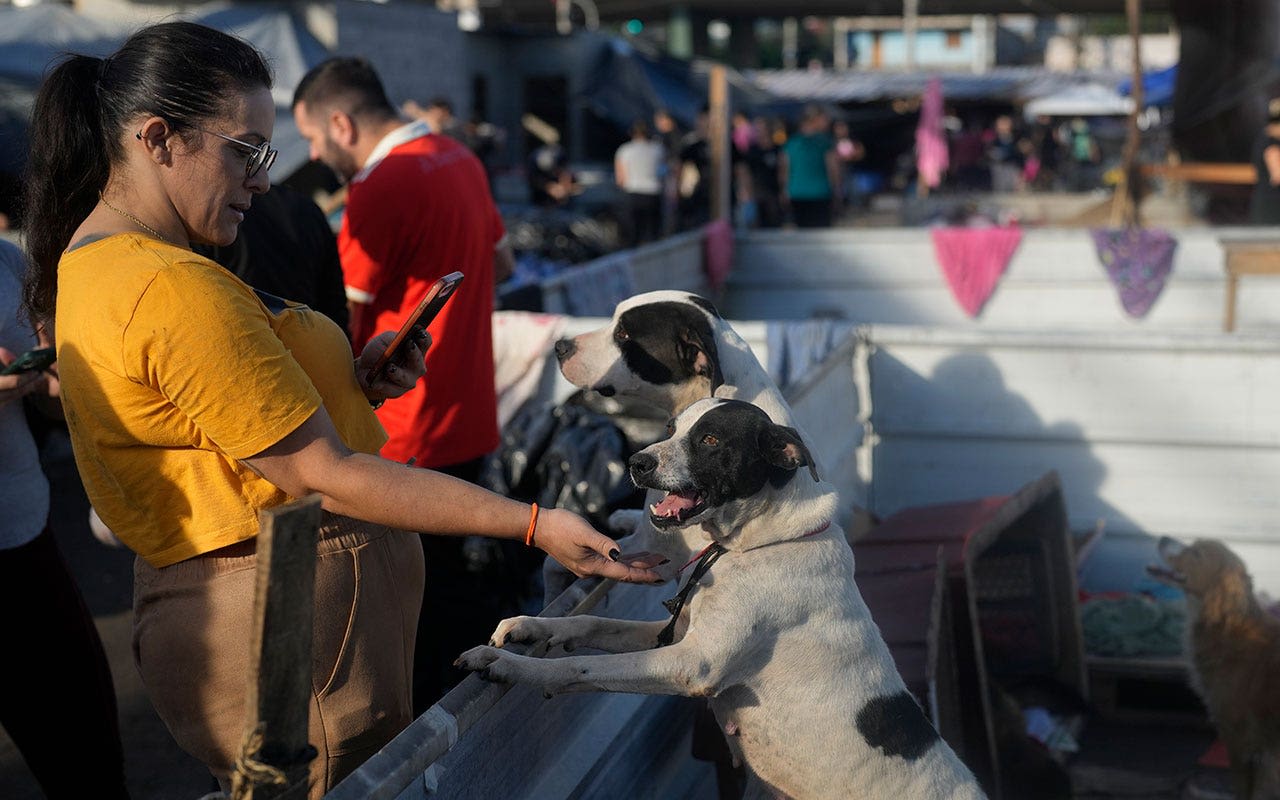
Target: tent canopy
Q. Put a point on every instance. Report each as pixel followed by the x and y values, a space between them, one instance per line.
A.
pixel 33 38
pixel 1086 100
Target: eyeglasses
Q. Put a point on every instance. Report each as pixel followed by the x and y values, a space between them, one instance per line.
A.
pixel 261 156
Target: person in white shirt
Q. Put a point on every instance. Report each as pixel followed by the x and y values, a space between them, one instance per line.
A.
pixel 638 168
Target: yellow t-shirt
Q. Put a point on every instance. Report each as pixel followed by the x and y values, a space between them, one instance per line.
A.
pixel 172 371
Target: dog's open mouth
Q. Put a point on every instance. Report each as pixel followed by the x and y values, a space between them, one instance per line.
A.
pixel 677 508
pixel 1166 575
pixel 1169 550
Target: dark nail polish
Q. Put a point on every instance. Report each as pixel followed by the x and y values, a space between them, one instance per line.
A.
pixel 664 561
pixel 613 554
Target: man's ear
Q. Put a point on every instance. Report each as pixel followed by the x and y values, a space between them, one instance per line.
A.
pixel 342 127
pixel 782 447
pixel 699 356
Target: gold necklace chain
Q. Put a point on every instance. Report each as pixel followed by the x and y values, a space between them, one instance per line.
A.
pixel 135 220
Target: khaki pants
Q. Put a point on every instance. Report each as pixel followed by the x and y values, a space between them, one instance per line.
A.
pixel 193 621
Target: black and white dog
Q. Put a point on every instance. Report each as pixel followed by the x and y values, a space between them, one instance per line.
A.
pixel 669 349
pixel 769 624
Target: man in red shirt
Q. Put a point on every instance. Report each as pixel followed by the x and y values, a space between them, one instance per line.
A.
pixel 418 208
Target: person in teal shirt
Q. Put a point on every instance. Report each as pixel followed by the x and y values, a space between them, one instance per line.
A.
pixel 808 170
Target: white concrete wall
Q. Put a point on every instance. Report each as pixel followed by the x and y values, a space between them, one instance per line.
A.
pixel 1053 282
pixel 1155 434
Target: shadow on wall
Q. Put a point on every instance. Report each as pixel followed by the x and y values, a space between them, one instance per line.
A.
pixel 961 433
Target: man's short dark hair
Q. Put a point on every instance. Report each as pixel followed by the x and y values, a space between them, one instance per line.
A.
pixel 441 102
pixel 348 82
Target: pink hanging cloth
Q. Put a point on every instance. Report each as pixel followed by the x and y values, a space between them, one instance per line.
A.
pixel 973 259
pixel 931 142
pixel 717 253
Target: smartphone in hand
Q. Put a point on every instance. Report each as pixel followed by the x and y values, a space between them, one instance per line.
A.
pixel 37 360
pixel 431 304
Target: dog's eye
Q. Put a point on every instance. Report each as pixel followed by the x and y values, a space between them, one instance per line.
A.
pixel 710 441
pixel 671 427
pixel 620 334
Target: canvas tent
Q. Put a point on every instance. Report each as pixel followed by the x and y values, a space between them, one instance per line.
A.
pixel 1084 100
pixel 33 38
pixel 629 83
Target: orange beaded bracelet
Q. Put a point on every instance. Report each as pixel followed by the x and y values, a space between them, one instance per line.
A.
pixel 533 523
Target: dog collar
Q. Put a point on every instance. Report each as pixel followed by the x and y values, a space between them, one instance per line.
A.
pixel 705 559
pixel 817 531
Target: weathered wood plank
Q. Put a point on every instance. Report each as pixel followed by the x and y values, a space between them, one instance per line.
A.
pixel 279 701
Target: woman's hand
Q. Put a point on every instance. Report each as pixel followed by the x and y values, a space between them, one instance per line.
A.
pixel 400 375
pixel 581 549
pixel 14 387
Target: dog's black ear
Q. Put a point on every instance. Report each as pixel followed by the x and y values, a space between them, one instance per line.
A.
pixel 783 448
pixel 699 355
pixel 705 304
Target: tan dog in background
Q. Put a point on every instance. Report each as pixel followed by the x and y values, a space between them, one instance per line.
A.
pixel 1234 647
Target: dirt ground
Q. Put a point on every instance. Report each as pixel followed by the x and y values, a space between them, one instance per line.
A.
pixel 155 767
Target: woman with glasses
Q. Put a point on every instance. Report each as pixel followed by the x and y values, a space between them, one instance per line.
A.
pixel 194 403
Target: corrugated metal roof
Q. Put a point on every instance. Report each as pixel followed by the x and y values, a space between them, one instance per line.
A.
pixel 1010 84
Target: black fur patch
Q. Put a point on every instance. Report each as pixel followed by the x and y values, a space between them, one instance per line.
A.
pixel 653 345
pixel 704 304
pixel 724 453
pixel 896 725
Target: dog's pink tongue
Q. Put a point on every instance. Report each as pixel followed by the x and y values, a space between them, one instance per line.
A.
pixel 676 502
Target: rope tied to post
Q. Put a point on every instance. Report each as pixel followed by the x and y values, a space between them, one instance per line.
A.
pixel 249 772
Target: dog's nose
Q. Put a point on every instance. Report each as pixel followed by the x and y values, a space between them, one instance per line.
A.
pixel 565 348
pixel 642 465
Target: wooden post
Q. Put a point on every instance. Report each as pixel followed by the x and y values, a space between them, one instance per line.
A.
pixel 275 752
pixel 1129 192
pixel 718 131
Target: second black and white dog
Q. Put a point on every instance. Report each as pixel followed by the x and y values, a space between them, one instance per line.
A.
pixel 669 349
pixel 769 624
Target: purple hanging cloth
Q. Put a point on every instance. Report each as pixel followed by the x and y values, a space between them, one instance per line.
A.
pixel 1139 261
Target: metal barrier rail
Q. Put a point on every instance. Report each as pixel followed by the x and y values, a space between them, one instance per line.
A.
pixel 393 768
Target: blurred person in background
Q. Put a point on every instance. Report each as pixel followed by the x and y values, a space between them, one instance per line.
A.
pixel 638 169
pixel 57 686
pixel 809 172
pixel 1264 203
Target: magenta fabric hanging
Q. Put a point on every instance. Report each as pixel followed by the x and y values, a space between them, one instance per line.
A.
pixel 931 140
pixel 717 253
pixel 973 259
pixel 1139 261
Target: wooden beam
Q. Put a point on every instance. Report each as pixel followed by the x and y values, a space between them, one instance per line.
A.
pixel 718 131
pixel 1204 172
pixel 275 753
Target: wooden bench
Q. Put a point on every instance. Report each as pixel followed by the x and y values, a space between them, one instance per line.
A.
pixel 1246 258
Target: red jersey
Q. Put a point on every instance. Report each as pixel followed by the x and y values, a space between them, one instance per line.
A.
pixel 418 210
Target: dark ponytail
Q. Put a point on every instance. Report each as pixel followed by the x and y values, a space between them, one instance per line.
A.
pixel 67 168
pixel 180 71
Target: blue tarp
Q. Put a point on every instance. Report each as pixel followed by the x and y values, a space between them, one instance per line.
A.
pixel 1157 86
pixel 630 84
